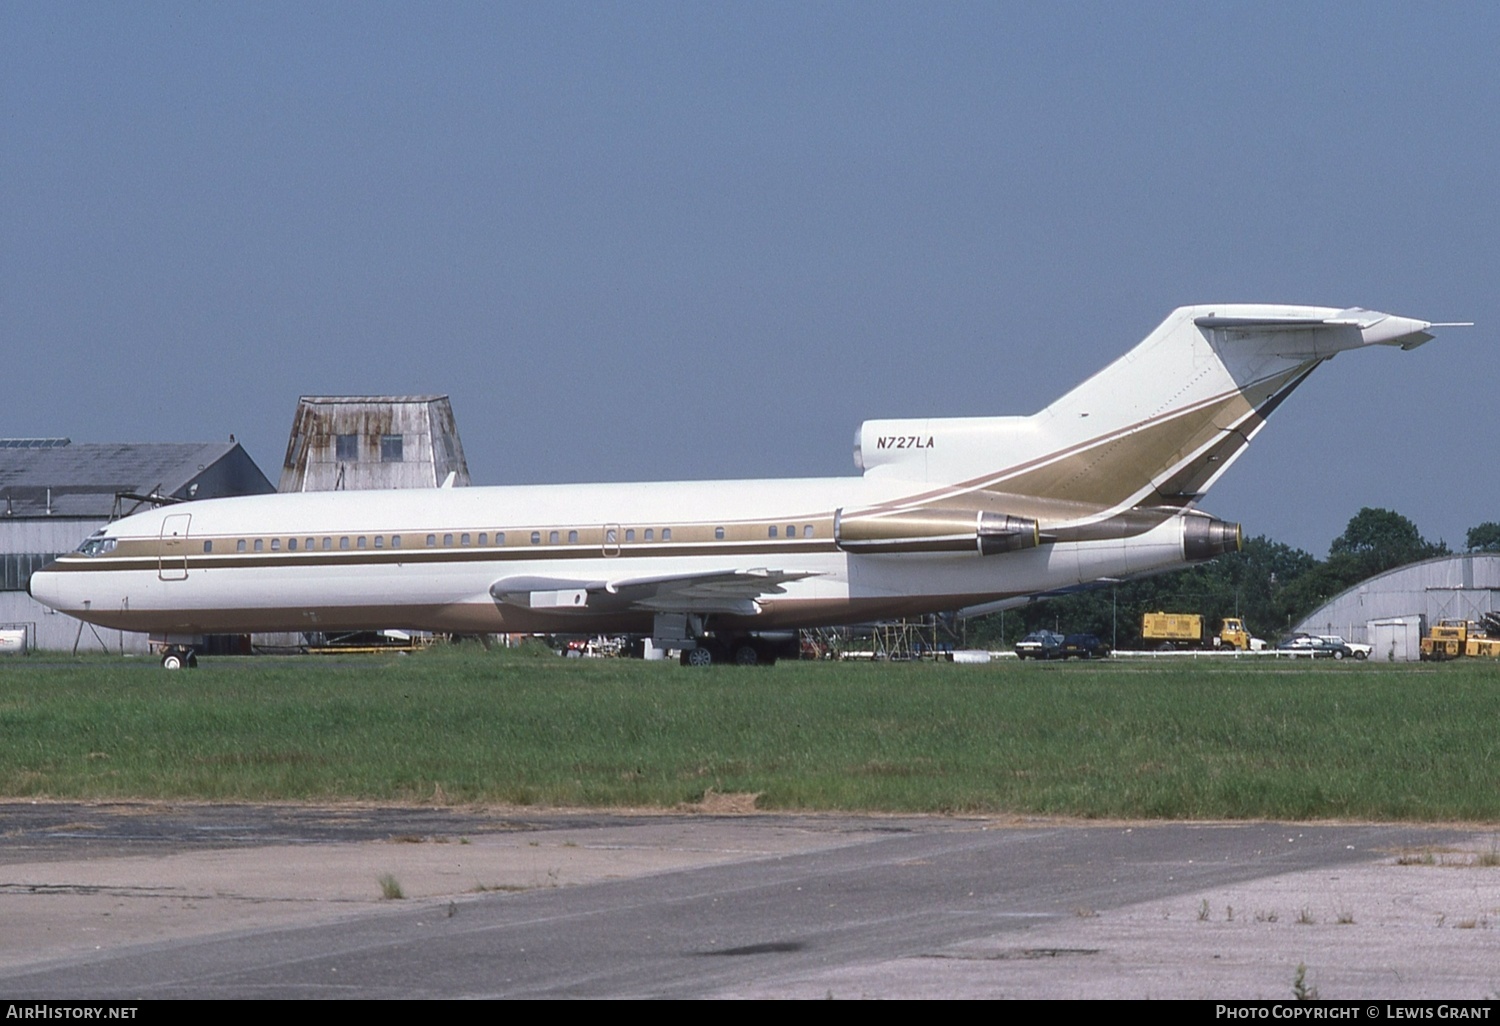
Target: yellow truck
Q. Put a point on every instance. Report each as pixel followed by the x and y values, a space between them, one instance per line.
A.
pixel 1186 630
pixel 1454 639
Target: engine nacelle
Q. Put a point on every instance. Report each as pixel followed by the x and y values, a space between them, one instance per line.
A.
pixel 1207 537
pixel 934 530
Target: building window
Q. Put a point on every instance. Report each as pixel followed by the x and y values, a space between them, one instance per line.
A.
pixel 346 447
pixel 390 448
pixel 16 569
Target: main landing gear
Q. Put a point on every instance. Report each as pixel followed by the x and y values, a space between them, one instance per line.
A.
pixel 744 651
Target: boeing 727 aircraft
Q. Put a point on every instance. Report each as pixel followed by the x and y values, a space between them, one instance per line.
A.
pixel 947 514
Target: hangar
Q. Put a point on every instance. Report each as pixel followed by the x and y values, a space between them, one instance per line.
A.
pixel 1462 587
pixel 54 493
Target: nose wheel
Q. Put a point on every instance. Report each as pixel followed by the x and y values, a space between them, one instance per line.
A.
pixel 176 658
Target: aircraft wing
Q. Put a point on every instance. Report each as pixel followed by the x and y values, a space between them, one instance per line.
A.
pixel 719 591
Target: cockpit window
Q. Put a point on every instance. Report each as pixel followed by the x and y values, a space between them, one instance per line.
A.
pixel 97 546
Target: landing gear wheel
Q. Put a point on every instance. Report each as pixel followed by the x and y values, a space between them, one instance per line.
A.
pixel 699 656
pixel 171 661
pixel 746 655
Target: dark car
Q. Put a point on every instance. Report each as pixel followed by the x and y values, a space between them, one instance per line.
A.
pixel 1083 646
pixel 1319 648
pixel 1040 645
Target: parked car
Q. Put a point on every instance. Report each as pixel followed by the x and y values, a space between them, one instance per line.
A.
pixel 1317 646
pixel 1084 646
pixel 1355 648
pixel 1040 645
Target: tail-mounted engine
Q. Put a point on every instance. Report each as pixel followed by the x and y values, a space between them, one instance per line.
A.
pixel 934 530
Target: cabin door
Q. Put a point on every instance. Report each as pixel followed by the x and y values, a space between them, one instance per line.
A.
pixel 611 539
pixel 172 555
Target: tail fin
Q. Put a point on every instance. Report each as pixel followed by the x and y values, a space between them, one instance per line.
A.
pixel 1157 427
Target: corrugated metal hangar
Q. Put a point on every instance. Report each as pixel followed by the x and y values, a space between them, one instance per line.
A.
pixel 55 493
pixel 1463 587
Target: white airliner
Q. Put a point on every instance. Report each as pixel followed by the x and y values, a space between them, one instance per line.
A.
pixel 948 514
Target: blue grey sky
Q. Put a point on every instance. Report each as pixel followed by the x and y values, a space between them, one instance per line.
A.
pixel 689 240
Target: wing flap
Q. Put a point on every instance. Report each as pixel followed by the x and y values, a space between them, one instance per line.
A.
pixel 718 591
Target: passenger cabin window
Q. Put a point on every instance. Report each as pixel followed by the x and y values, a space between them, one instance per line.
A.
pixel 390 448
pixel 791 530
pixel 379 541
pixel 630 534
pixel 773 531
pixel 666 534
pixel 649 533
pixel 395 541
pixel 552 537
pixel 310 544
pixel 359 542
pixel 807 531
pixel 275 544
pixel 208 546
pixel 447 539
pixel 572 537
pixel 260 544
pixel 291 544
pixel 719 533
pixel 344 542
pixel 431 540
pixel 327 544
pixel 346 447
pixel 463 539
pixel 482 539
pixel 239 546
pixel 536 537
pixel 499 537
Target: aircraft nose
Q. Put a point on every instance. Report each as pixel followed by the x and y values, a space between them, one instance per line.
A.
pixel 43 587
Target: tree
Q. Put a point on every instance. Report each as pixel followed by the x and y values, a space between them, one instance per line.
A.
pixel 1377 540
pixel 1484 537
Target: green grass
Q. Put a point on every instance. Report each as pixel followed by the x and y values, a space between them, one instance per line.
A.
pixel 1199 740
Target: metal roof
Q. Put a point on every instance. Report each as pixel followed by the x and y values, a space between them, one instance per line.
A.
pixel 82 480
pixel 383 399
